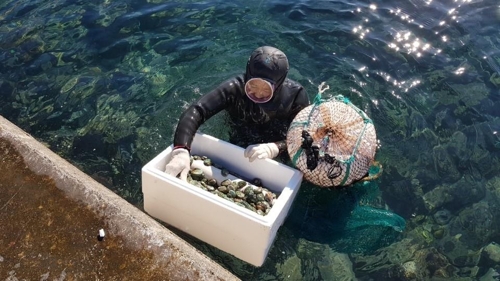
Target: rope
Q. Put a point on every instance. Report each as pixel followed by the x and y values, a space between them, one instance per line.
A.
pixel 317 101
pixel 375 171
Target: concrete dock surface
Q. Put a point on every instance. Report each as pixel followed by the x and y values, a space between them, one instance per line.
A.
pixel 51 214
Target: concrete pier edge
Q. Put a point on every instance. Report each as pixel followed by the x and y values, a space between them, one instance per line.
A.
pixel 141 232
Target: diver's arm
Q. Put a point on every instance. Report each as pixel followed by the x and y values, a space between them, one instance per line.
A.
pixel 204 108
pixel 301 101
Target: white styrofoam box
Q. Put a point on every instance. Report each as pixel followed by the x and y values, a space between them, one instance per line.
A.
pixel 214 220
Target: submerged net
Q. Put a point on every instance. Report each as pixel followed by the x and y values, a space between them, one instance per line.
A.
pixel 332 142
pixel 349 220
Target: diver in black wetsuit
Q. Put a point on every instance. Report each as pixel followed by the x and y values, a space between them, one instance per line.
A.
pixel 262 97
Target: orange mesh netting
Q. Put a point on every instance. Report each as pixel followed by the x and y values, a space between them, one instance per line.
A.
pixel 332 142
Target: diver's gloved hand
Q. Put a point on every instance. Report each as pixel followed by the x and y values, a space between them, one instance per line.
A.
pixel 179 163
pixel 262 151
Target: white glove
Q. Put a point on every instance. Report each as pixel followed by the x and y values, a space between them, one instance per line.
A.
pixel 261 151
pixel 180 163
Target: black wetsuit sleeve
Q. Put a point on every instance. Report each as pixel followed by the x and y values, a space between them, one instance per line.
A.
pixel 301 102
pixel 201 110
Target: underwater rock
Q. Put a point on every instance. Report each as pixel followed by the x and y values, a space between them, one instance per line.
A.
pixel 465 192
pixel 182 46
pixel 417 123
pixel 403 196
pixel 148 141
pixel 438 266
pixel 6 89
pixel 490 275
pixel 291 268
pixel 462 93
pixel 444 164
pixel 493 186
pixel 111 120
pixel 437 197
pixel 164 47
pixel 60 141
pixel 297 15
pixel 445 122
pixel 474 156
pixel 438 233
pixel 78 89
pixel 331 264
pixel 307 249
pixel 29 50
pixel 442 217
pixel 122 81
pixel 396 253
pixel 420 147
pixel 42 63
pixel 430 136
pixel 336 266
pixel 457 147
pixel 495 79
pixel 486 164
pixel 404 260
pixel 455 196
pixel 457 251
pixel 410 270
pixel 490 255
pixel 476 224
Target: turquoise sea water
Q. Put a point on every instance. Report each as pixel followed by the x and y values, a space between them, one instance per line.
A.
pixel 103 83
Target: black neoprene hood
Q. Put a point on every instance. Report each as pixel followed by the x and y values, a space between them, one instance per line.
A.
pixel 268 63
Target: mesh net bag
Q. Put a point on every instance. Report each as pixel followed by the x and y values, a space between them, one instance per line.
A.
pixel 332 142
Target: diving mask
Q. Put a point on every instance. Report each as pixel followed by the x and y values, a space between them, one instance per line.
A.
pixel 259 90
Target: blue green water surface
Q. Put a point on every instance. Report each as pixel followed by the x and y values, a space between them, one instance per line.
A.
pixel 102 83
